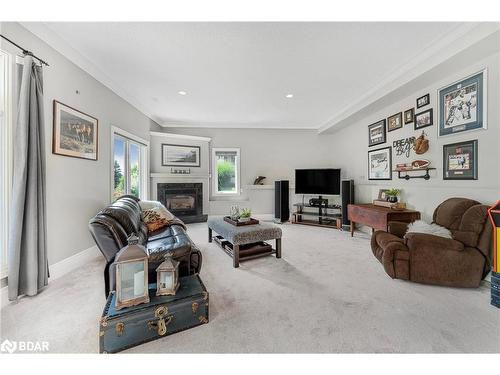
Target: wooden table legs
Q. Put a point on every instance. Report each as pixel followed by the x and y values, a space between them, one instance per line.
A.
pixel 209 235
pixel 352 228
pixel 236 256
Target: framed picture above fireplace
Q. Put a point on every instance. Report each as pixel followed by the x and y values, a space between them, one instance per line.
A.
pixel 180 155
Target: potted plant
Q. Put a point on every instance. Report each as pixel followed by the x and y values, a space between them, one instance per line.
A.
pixel 392 195
pixel 245 214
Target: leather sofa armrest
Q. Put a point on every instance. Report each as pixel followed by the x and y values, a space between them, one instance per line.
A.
pixel 417 240
pixel 397 228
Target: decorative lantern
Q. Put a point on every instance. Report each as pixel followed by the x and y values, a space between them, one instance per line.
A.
pixel 131 275
pixel 167 277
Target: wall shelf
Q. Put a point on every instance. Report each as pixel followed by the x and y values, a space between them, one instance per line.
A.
pixel 407 176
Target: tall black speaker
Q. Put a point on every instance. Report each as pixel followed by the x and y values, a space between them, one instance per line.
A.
pixel 347 198
pixel 281 201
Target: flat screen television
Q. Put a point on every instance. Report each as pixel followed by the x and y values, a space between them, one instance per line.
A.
pixel 317 181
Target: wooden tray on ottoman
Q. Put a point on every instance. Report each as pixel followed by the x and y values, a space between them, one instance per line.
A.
pixel 252 250
pixel 252 221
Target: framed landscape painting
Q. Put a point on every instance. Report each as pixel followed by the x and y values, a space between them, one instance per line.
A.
pixel 75 133
pixel 376 133
pixel 180 155
pixel 380 164
pixel 460 161
pixel 462 105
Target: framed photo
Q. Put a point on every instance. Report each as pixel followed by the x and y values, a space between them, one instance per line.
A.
pixel 460 161
pixel 380 164
pixel 409 115
pixel 423 119
pixel 382 196
pixel 376 133
pixel 180 155
pixel 423 100
pixel 462 105
pixel 74 133
pixel 395 122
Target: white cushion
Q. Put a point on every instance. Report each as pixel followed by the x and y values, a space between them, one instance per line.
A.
pixel 147 205
pixel 421 226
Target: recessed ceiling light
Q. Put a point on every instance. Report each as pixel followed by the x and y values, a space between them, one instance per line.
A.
pixel 289 96
pixel 182 92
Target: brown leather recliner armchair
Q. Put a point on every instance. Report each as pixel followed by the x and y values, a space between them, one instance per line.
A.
pixel 424 258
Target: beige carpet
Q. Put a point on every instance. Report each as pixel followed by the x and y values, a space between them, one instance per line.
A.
pixel 327 294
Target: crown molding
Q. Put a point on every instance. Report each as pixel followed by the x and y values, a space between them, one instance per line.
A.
pixel 438 51
pixel 62 46
pixel 180 136
pixel 229 125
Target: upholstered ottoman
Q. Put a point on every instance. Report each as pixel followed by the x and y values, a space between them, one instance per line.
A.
pixel 243 235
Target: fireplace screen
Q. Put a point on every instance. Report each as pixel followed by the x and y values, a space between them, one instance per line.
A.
pixel 184 200
pixel 181 202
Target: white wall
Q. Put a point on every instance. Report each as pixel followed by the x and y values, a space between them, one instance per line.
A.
pixel 351 145
pixel 76 188
pixel 274 153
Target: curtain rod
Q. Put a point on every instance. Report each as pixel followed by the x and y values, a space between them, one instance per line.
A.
pixel 25 51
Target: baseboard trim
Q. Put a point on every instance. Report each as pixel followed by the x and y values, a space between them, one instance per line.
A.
pixel 61 268
pixel 71 263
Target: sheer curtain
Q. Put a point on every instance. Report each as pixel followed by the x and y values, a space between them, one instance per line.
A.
pixel 27 252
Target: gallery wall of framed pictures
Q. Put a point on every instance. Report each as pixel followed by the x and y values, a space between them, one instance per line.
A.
pixel 461 108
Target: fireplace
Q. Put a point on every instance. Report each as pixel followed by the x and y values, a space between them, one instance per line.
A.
pixel 184 200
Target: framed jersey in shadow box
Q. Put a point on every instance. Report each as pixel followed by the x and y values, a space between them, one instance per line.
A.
pixel 462 105
pixel 460 161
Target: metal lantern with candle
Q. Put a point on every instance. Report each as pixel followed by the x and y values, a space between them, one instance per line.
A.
pixel 167 277
pixel 131 275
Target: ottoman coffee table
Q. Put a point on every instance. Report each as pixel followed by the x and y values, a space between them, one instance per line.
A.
pixel 231 238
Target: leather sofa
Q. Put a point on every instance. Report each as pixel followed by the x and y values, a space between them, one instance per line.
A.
pixel 425 258
pixel 111 227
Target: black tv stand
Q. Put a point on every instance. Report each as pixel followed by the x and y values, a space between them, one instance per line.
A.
pixel 320 216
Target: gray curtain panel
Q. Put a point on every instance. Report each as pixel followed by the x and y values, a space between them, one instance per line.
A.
pixel 28 267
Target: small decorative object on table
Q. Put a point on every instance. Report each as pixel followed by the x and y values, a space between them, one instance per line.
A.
pixel 234 213
pixel 245 215
pixel 392 195
pixel 167 277
pixel 131 275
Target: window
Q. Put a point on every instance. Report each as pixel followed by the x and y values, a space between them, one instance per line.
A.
pixel 6 89
pixel 226 171
pixel 129 165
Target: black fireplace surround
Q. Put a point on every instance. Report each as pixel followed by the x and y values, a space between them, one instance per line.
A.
pixel 184 200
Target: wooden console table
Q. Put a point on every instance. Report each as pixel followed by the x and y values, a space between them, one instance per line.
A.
pixel 378 217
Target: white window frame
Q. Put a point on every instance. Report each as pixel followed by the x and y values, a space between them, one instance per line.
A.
pixel 6 150
pixel 143 160
pixel 215 180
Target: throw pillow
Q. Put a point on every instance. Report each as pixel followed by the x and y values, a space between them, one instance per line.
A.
pixel 421 226
pixel 157 217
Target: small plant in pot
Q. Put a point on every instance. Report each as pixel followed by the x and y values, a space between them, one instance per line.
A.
pixel 245 214
pixel 392 195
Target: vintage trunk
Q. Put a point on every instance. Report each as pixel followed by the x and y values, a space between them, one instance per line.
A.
pixel 162 316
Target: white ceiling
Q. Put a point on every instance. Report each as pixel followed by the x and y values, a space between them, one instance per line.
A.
pixel 237 74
